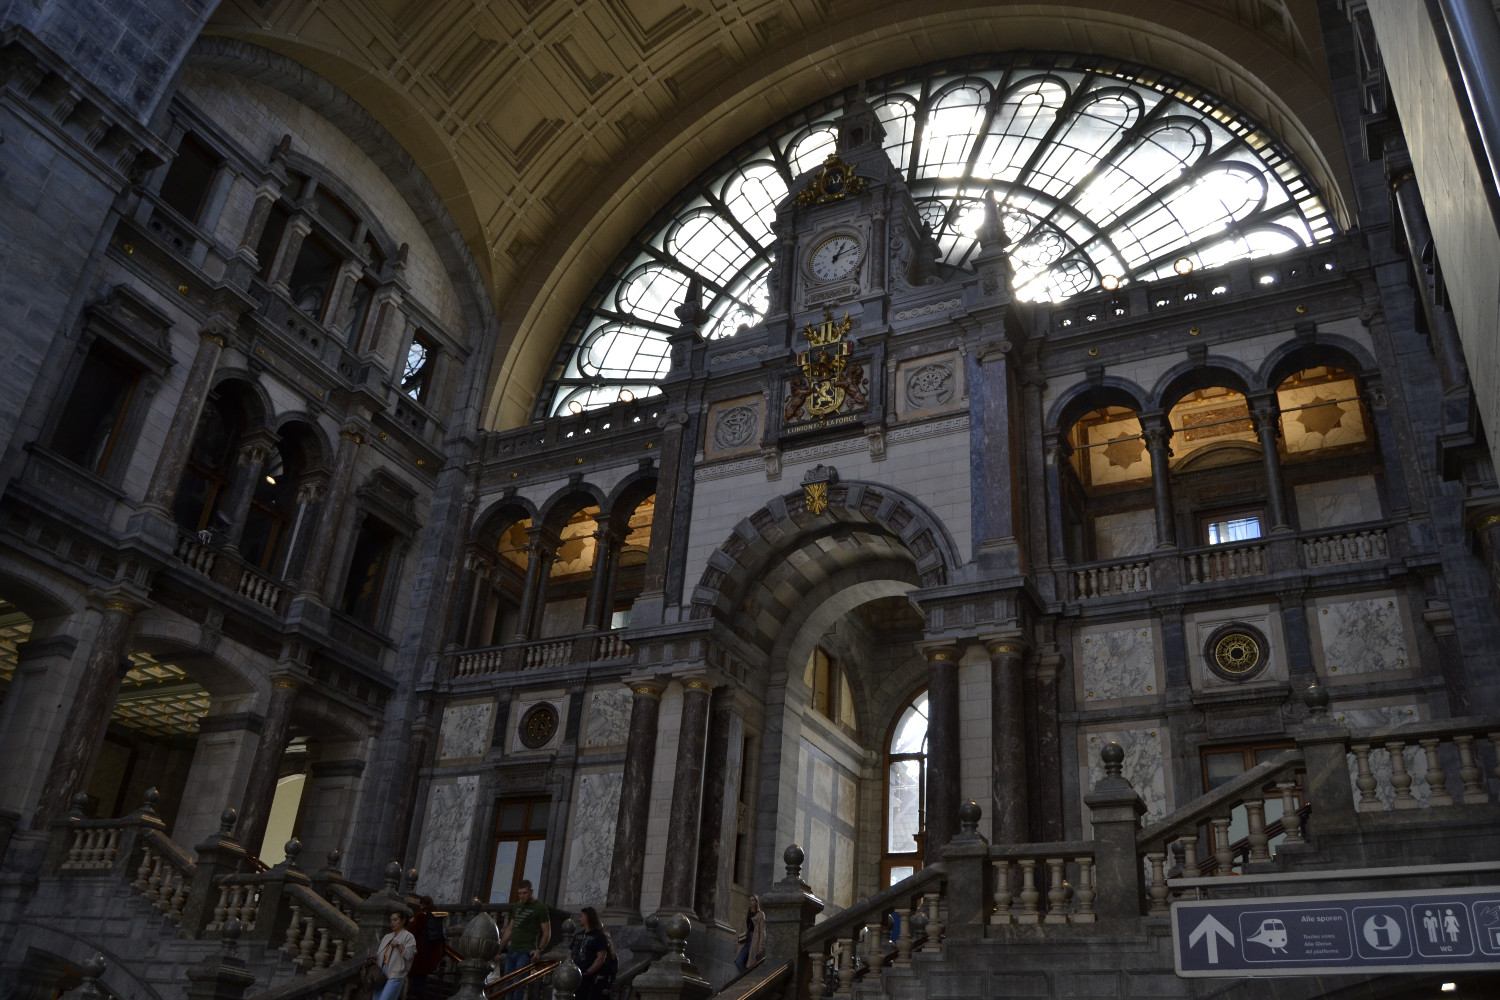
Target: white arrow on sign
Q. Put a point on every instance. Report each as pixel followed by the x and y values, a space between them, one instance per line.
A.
pixel 1211 930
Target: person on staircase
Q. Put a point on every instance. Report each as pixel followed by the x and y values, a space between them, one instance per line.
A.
pixel 527 935
pixel 431 936
pixel 752 939
pixel 394 955
pixel 594 954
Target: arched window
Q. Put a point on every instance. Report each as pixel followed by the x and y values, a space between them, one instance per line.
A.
pixel 1105 173
pixel 906 792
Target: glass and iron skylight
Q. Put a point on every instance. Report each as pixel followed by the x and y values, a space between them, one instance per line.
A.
pixel 1105 174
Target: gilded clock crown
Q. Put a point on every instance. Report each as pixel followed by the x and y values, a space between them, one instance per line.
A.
pixel 827 332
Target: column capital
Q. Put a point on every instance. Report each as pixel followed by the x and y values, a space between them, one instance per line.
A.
pixel 942 651
pixel 699 678
pixel 651 685
pixel 1000 643
pixel 1484 520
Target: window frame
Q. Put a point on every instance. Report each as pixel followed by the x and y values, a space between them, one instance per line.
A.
pixel 524 838
pixel 1205 519
pixel 914 858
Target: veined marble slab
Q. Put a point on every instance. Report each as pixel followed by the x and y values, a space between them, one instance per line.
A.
pixel 1362 636
pixel 1117 663
pixel 1144 765
pixel 608 720
pixel 596 805
pixel 445 836
pixel 1129 533
pixel 466 730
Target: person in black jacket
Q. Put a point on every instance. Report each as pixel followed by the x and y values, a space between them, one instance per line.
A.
pixel 594 954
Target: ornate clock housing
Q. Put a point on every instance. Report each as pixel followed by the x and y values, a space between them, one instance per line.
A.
pixel 836 257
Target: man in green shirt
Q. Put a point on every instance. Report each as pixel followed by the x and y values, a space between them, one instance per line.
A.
pixel 526 934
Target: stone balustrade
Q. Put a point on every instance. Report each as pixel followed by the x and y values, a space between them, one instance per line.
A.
pixel 165 875
pixel 1412 767
pixel 261 589
pixel 1034 887
pixel 196 555
pixel 1224 562
pixel 1109 579
pixel 1344 548
pixel 542 654
pixel 239 899
pixel 317 935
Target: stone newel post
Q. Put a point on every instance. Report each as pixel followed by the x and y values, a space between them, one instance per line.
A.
pixel 673 976
pixel 790 909
pixel 222 976
pixel 969 876
pixel 1115 811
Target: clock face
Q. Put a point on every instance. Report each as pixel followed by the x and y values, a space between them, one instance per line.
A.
pixel 837 257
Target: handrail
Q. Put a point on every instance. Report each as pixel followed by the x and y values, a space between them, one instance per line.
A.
pixel 520 978
pixel 317 906
pixel 179 857
pixel 1215 801
pixel 756 981
pixel 314 983
pixel 879 903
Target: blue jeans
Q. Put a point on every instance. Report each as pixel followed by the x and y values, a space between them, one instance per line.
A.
pixel 391 990
pixel 514 960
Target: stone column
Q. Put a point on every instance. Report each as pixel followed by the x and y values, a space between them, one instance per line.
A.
pixel 623 900
pixel 390 325
pixel 1158 434
pixel 541 552
pixel 333 515
pixel 942 748
pixel 297 228
pixel 260 790
pixel 177 443
pixel 260 214
pixel 309 495
pixel 1048 746
pixel 1011 824
pixel 255 449
pixel 687 797
pixel 92 702
pixel 654 591
pixel 607 542
pixel 343 293
pixel 721 790
pixel 999 518
pixel 1266 416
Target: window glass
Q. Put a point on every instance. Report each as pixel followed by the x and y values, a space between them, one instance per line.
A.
pixel 906 790
pixel 313 276
pixel 90 424
pixel 520 847
pixel 1234 529
pixel 210 467
pixel 1101 170
pixel 416 374
pixel 188 178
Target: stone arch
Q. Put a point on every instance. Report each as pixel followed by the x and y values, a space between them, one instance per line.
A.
pixel 326 178
pixel 628 494
pixel 38 593
pixel 784 524
pixel 246 392
pixel 1335 352
pixel 569 500
pixel 316 450
pixel 47 946
pixel 222 667
pixel 499 516
pixel 1085 397
pixel 1181 379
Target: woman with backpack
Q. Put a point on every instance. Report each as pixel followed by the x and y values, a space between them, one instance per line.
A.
pixel 594 954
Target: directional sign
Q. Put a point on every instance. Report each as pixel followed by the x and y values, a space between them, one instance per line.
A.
pixel 1441 929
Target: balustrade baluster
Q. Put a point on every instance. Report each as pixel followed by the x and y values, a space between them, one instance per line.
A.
pixel 1400 778
pixel 250 908
pixel 309 940
pixel 1085 893
pixel 111 846
pixel 1255 812
pixel 143 873
pixel 903 938
pixel 1365 781
pixel 321 956
pixel 236 902
pixel 1470 773
pixel 1380 545
pixel 934 918
pixel 153 884
pixel 1223 852
pixel 1158 888
pixel 1029 894
pixel 817 971
pixel 293 933
pixel 874 949
pixel 179 897
pixel 340 951
pixel 1437 781
pixel 1291 820
pixel 1002 894
pixel 1189 844
pixel 1057 892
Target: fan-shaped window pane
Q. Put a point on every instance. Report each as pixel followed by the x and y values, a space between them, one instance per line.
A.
pixel 1099 170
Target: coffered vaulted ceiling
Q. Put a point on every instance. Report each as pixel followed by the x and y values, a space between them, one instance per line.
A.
pixel 555 129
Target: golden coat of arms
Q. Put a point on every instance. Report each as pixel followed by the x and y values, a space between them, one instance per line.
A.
pixel 829 378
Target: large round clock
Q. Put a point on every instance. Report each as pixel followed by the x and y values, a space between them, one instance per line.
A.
pixel 836 257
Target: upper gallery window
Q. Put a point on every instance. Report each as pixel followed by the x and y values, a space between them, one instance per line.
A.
pixel 188 179
pixel 1102 171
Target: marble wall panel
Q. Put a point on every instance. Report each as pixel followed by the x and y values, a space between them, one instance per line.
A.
pixel 445 836
pixel 843 870
pixel 1337 502
pixel 1362 636
pixel 1144 767
pixel 930 385
pixel 608 718
pixel 596 804
pixel 1128 533
pixel 1117 663
pixel 465 732
pixel 827 808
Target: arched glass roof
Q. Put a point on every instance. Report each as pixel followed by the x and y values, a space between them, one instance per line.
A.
pixel 1101 169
